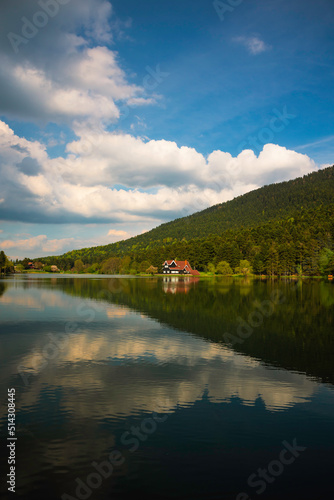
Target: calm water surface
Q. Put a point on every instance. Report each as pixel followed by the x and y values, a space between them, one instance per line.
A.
pixel 168 388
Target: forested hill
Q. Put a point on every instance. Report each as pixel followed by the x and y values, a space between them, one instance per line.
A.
pixel 273 202
pixel 279 228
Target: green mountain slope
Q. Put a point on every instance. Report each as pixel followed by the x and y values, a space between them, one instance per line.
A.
pixel 292 221
pixel 272 202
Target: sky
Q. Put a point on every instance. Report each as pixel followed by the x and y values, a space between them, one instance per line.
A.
pixel 118 116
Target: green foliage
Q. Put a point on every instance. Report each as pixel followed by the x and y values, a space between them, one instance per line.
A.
pixel 144 265
pixel 281 229
pixel 6 265
pixel 213 310
pixel 269 203
pixel 93 269
pixel 125 265
pixel 9 266
pixel 258 266
pixel 111 266
pixel 211 268
pixel 244 268
pixel 2 260
pixel 152 270
pixel 78 266
pixel 324 260
pixel 25 262
pixel 330 266
pixel 224 268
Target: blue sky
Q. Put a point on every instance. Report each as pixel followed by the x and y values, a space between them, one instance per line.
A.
pixel 118 116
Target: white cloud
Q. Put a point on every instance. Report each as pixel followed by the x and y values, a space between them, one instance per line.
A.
pixel 115 232
pixel 136 163
pixel 274 164
pixel 244 377
pixel 69 73
pixel 141 101
pixel 89 85
pixel 100 29
pixel 253 44
pixel 65 77
pixel 162 181
pixel 131 161
pixel 24 245
pixel 37 243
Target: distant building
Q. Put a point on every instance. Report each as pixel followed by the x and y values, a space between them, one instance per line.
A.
pixel 178 267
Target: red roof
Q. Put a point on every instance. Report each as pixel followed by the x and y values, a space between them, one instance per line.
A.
pixel 181 264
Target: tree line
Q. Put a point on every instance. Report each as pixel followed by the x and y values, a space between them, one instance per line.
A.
pixel 302 245
pixel 6 265
pixel 281 229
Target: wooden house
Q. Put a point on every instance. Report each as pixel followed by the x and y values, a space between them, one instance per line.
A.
pixel 178 267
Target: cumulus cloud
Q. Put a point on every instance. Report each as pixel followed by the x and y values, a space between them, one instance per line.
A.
pixel 88 85
pixel 115 232
pixel 137 163
pixel 100 29
pixel 253 44
pixel 160 180
pixel 41 243
pixel 63 77
pixel 69 73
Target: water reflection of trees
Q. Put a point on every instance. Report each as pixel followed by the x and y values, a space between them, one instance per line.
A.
pixel 3 288
pixel 298 335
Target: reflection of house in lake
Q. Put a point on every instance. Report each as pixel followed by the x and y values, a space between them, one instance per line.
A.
pixel 174 284
pixel 178 267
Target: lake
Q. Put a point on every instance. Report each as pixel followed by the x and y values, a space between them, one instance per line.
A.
pixel 168 388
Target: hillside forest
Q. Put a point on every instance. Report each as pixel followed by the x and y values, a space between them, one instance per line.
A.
pixel 277 230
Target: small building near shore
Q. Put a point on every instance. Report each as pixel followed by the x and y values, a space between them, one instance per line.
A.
pixel 178 267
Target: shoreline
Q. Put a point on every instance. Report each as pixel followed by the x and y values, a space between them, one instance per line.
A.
pixel 202 275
